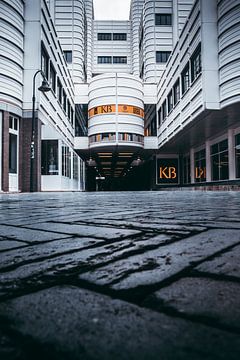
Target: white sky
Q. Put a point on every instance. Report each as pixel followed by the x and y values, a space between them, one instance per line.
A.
pixel 111 9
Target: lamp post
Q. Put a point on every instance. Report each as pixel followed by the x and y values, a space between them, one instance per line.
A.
pixel 43 88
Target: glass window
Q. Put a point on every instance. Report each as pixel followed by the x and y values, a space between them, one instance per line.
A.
pixel 52 77
pixel 196 66
pixel 120 36
pixel 186 170
pixel 219 160
pixel 66 161
pixel 75 166
pixel 59 91
pixel 69 110
pixel 185 78
pixel 170 101
pixel 49 157
pixel 176 92
pixel 68 56
pixel 120 59
pixel 12 153
pixel 200 165
pixel 162 56
pixel 44 61
pixel 104 36
pixel 164 110
pixel 104 60
pixel 159 116
pixel 64 101
pixel 163 19
pixel 237 153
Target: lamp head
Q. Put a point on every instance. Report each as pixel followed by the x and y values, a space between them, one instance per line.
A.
pixel 45 86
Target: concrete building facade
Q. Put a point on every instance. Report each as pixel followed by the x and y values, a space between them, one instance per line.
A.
pixel 152 101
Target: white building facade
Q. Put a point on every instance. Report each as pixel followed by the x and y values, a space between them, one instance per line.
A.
pixel 155 97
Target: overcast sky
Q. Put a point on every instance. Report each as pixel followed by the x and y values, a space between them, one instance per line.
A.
pixel 111 9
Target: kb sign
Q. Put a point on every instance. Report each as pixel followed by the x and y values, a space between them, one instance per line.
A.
pixel 167 171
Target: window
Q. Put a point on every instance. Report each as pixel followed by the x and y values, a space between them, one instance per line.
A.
pixel 69 110
pixel 159 117
pixel 12 153
pixel 64 101
pixel 142 71
pixel 120 36
pixel 200 165
pixel 163 19
pixel 44 61
pixel 68 56
pixel 237 153
pixel 49 157
pixel 185 78
pixel 186 170
pixel 120 59
pixel 59 91
pixel 162 56
pixel 104 60
pixel 104 36
pixel 170 101
pixel 176 92
pixel 72 116
pixel 219 160
pixel 52 77
pixel 75 166
pixel 66 161
pixel 164 110
pixel 196 66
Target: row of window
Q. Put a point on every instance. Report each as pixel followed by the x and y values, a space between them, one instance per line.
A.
pixel 50 161
pixel 188 76
pixel 110 36
pixel 219 163
pixel 55 83
pixel 112 137
pixel 112 60
pixel 163 19
pixel 162 56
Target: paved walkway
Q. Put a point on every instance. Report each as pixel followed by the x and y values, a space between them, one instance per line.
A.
pixel 145 275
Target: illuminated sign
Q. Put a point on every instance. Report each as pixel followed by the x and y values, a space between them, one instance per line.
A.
pixel 122 109
pixel 167 171
pixel 200 173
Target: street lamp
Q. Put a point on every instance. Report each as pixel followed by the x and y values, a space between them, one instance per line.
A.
pixel 43 88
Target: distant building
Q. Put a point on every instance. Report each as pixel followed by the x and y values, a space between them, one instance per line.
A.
pixel 145 103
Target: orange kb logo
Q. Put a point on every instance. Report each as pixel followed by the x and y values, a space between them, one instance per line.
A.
pixel 168 172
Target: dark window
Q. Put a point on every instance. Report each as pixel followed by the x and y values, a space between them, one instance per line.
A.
pixel 59 91
pixel 170 101
pixel 159 117
pixel 64 101
pixel 164 110
pixel 13 153
pixel 44 62
pixel 68 56
pixel 162 56
pixel 69 110
pixel 237 153
pixel 104 36
pixel 49 157
pixel 163 19
pixel 72 114
pixel 186 170
pixel 219 160
pixel 104 60
pixel 120 36
pixel 176 92
pixel 52 77
pixel 120 59
pixel 200 165
pixel 142 71
pixel 185 78
pixel 196 66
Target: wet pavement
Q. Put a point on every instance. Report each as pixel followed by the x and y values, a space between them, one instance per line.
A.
pixel 123 275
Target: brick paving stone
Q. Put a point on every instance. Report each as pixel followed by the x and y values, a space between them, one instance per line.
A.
pixel 226 264
pixel 41 251
pixel 84 230
pixel 10 244
pixel 167 261
pixel 17 233
pixel 217 301
pixel 78 324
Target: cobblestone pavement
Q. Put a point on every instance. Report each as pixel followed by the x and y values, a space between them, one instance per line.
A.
pixel 145 275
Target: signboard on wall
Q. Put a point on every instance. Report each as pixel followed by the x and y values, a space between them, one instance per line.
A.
pixel 167 171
